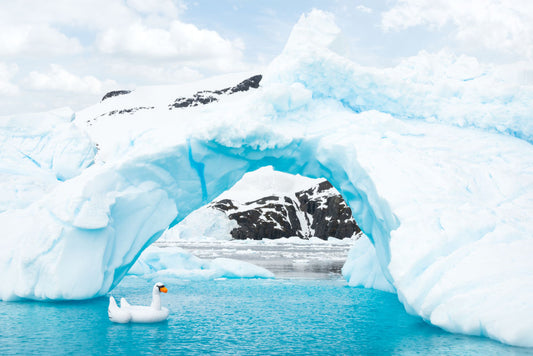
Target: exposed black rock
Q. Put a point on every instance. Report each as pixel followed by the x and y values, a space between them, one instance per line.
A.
pixel 120 112
pixel 268 218
pixel 224 205
pixel 207 96
pixel 128 111
pixel 200 98
pixel 331 216
pixel 115 93
pixel 319 211
pixel 245 85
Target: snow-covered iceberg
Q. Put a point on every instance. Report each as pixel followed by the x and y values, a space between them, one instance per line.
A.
pixel 436 165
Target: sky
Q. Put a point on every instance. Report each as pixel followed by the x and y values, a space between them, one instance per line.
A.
pixel 59 53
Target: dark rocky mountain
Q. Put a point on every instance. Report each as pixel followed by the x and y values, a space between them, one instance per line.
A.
pixel 208 96
pixel 318 211
pixel 115 93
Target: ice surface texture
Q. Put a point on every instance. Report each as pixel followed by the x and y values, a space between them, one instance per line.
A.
pixel 447 208
pixel 37 152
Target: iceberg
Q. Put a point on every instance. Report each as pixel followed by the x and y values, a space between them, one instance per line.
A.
pixel 435 162
pixel 362 267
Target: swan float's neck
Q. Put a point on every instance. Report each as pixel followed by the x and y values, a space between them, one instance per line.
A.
pixel 156 299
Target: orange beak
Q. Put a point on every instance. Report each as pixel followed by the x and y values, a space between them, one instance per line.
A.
pixel 164 289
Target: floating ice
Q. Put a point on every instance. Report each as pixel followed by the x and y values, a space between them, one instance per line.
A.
pixel 429 158
pixel 174 262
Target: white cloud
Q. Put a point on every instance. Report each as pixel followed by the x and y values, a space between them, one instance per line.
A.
pixel 165 8
pixel 59 79
pixel 93 14
pixel 147 29
pixel 45 27
pixel 35 40
pixel 364 9
pixel 180 41
pixel 501 25
pixel 6 73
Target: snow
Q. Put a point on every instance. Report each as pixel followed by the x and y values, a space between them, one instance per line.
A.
pixel 434 157
pixel 266 182
pixel 203 223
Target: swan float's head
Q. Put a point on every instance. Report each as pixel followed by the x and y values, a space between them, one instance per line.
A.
pixel 160 287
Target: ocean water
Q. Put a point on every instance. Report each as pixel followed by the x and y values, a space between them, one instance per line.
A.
pixel 236 317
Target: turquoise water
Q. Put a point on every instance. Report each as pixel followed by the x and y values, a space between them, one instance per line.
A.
pixel 236 317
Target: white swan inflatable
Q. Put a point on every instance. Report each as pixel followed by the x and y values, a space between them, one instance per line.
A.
pixel 139 314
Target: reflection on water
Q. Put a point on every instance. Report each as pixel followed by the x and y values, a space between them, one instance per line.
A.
pixel 286 258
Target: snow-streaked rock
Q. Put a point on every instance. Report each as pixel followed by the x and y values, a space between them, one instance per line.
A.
pixel 267 204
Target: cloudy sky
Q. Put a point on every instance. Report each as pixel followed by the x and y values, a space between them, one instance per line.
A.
pixel 59 53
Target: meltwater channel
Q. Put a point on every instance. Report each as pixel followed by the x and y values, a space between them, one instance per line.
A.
pixel 297 314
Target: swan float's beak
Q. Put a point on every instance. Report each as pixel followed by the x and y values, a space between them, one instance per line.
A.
pixel 163 289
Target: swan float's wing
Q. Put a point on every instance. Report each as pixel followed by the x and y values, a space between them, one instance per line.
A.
pixel 116 314
pixel 112 305
pixel 124 303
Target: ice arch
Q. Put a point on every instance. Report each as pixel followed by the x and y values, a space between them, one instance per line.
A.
pixel 83 240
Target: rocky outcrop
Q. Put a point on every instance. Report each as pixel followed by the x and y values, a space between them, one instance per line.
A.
pixel 115 93
pixel 319 211
pixel 208 96
pixel 329 213
pixel 130 111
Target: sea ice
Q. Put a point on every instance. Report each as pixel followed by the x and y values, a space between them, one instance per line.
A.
pixel 174 262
